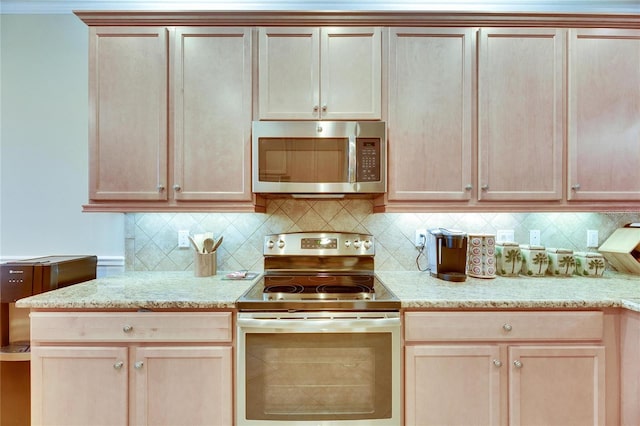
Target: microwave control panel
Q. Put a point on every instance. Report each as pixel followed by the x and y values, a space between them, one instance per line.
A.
pixel 368 159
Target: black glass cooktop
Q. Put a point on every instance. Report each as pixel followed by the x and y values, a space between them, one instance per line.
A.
pixel 319 292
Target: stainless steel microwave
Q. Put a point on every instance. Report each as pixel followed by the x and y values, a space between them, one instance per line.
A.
pixel 318 158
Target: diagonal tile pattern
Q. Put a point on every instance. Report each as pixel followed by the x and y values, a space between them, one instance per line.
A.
pixel 152 243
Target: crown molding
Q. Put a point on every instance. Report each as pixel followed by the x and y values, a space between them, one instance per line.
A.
pixel 355 18
pixel 541 6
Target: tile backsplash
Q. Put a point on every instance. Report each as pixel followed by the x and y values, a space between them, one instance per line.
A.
pixel 151 239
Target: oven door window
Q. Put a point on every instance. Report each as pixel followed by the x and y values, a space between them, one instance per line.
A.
pixel 318 376
pixel 303 160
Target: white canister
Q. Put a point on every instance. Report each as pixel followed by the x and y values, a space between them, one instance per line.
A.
pixel 589 264
pixel 561 262
pixel 508 259
pixel 481 255
pixel 534 260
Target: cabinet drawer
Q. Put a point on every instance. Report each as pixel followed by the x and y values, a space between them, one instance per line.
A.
pixel 131 327
pixel 541 325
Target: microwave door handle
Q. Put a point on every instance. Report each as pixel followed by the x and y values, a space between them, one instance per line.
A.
pixel 353 160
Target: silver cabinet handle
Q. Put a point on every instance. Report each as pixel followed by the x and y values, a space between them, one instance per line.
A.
pixel 497 363
pixel 576 187
pixel 507 327
pixel 517 363
pixel 177 187
pixel 315 108
pixel 324 108
pixel 160 187
pixel 127 328
pixel 118 365
pixel 484 187
pixel 138 365
pixel 469 187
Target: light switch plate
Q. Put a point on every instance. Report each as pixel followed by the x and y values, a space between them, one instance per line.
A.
pixel 505 235
pixel 592 238
pixel 183 238
pixel 534 237
pixel 420 238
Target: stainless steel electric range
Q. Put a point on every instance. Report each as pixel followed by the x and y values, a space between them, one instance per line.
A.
pixel 319 271
pixel 318 336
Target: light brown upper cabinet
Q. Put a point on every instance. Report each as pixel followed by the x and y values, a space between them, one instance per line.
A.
pixel 170 118
pixel 512 112
pixel 128 77
pixel 212 90
pixel 430 113
pixel 604 115
pixel 328 73
pixel 520 114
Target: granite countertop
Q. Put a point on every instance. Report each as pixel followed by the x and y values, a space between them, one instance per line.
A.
pixel 420 290
pixel 145 290
pixel 182 290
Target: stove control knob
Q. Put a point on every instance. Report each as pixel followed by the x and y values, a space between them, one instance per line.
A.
pixel 280 243
pixel 367 244
pixel 347 243
pixel 357 244
pixel 270 244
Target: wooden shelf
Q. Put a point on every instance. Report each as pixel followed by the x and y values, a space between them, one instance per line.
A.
pixel 15 356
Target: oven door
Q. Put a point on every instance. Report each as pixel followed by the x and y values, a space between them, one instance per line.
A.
pixel 318 368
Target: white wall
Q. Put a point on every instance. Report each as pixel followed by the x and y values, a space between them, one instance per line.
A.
pixel 44 142
pixel 66 6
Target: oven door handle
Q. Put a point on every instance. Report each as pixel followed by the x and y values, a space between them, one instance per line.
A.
pixel 319 324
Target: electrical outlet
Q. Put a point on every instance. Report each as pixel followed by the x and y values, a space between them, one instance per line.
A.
pixel 421 237
pixel 592 238
pixel 534 237
pixel 505 235
pixel 183 238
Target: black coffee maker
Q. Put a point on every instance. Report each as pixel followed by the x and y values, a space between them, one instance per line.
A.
pixel 447 251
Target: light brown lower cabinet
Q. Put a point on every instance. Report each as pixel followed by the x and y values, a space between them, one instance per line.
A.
pixel 504 368
pixel 133 368
pixel 630 364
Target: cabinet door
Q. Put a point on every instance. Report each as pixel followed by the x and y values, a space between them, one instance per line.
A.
pixel 430 115
pixel 212 152
pixel 452 385
pixel 128 113
pixel 630 380
pixel 351 73
pixel 289 73
pixel 561 385
pixel 520 114
pixel 604 109
pixel 311 73
pixel 187 385
pixel 79 385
